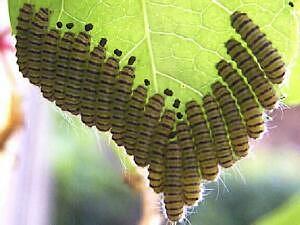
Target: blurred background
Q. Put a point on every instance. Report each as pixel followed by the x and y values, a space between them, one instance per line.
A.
pixel 53 170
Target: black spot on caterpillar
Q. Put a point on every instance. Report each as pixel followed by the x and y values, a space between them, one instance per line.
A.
pixel 205 149
pixel 149 121
pixel 250 109
pixel 267 56
pixel 234 121
pixel 59 24
pixel 158 150
pixel 191 176
pixel 263 89
pixel 219 131
pixel 291 4
pixel 69 25
pixel 176 103
pixel 88 27
pixel 168 92
pixel 147 82
pixel 179 115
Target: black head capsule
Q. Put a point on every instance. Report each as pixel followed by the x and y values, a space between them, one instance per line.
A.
pixel 291 4
pixel 118 52
pixel 179 115
pixel 103 42
pixel 147 82
pixel 168 92
pixel 59 24
pixel 131 60
pixel 70 25
pixel 176 103
pixel 88 27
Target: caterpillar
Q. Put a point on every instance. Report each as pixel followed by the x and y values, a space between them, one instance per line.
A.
pixel 172 187
pixel 22 37
pixel 49 59
pixel 267 56
pixel 149 121
pixel 89 99
pixel 37 33
pixel 261 86
pixel 190 166
pixel 109 72
pixel 205 149
pixel 157 150
pixel 234 121
pixel 78 62
pixel 182 150
pixel 122 93
pixel 250 109
pixel 62 69
pixel 219 131
pixel 133 117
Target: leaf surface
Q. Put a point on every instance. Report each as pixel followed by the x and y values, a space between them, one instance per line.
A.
pixel 177 42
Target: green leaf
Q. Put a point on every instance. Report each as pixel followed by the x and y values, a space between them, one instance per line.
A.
pixel 292 87
pixel 287 214
pixel 177 42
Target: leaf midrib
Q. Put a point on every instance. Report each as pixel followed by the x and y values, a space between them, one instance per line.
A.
pixel 149 45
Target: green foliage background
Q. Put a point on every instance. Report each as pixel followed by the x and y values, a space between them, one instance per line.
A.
pixel 178 42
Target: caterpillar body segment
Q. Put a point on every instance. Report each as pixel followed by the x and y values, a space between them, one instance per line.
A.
pixel 38 31
pixel 250 109
pixel 149 121
pixel 267 56
pixel 49 62
pixel 173 187
pixel 234 121
pixel 89 98
pixel 262 87
pixel 23 33
pixel 133 117
pixel 158 150
pixel 219 131
pixel 191 173
pixel 62 69
pixel 77 70
pixel 205 148
pixel 123 90
pixel 108 78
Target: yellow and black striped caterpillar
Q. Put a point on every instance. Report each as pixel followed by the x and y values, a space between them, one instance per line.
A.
pixel 158 150
pixel 267 56
pixel 37 33
pixel 180 150
pixel 249 106
pixel 255 76
pixel 90 93
pixel 24 24
pixel 236 128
